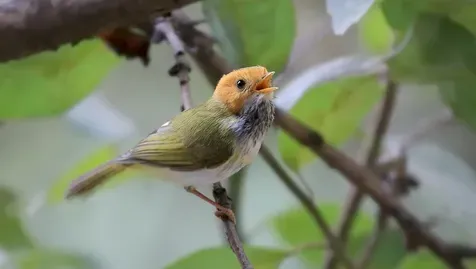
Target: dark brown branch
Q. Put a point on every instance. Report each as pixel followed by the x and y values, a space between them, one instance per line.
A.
pixel 199 45
pixel 356 197
pixel 181 69
pixel 32 26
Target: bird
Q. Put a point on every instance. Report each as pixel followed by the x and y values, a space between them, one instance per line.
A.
pixel 204 144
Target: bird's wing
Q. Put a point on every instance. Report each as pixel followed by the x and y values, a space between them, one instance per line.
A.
pixel 169 147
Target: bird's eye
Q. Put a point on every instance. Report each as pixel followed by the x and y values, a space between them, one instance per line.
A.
pixel 240 84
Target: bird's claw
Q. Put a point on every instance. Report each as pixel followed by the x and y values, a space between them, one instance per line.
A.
pixel 226 214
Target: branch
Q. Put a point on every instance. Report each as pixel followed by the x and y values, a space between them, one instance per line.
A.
pixel 334 242
pixel 235 190
pixel 181 69
pixel 199 46
pixel 356 197
pixel 32 26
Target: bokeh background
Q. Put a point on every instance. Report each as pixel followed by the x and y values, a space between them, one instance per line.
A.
pixel 148 224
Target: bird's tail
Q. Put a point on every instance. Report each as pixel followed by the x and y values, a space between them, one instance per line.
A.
pixel 92 179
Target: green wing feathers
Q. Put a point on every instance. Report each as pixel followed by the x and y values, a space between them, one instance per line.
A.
pixel 195 139
pixel 94 178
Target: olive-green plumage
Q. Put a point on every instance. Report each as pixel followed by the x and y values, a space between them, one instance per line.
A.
pixel 207 143
pixel 210 145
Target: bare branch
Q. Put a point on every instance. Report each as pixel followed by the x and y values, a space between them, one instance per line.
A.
pixel 181 69
pixel 356 197
pixel 32 26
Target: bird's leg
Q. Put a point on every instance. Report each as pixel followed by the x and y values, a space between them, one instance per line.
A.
pixel 221 211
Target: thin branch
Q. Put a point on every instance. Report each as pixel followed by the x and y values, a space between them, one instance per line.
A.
pixel 181 69
pixel 334 242
pixel 236 193
pixel 231 232
pixel 356 197
pixel 199 46
pixel 32 26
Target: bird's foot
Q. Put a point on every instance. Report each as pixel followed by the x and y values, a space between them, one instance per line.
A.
pixel 222 212
pixel 225 214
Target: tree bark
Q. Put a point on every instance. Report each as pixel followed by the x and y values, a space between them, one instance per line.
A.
pixel 31 26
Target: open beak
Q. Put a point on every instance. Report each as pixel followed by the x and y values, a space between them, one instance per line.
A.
pixel 265 86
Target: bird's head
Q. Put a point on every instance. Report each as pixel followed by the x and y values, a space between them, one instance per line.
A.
pixel 239 86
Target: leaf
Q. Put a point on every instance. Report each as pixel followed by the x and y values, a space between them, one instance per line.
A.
pixel 12 235
pixel 253 32
pixel 443 53
pixel 57 191
pixel 335 109
pixel 465 17
pixel 49 83
pixel 374 31
pixel 345 13
pixel 422 259
pixel 223 257
pixel 296 228
pixel 389 252
pixel 49 259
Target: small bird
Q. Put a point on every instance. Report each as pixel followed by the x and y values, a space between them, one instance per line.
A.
pixel 204 144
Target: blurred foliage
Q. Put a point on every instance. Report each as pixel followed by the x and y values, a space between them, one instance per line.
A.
pixel 22 251
pixel 98 157
pixel 442 50
pixel 48 259
pixel 51 82
pixel 253 32
pixel 296 228
pixel 12 235
pixel 335 109
pixel 425 259
pixel 222 257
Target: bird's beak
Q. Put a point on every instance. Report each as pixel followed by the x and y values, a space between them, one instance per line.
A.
pixel 265 86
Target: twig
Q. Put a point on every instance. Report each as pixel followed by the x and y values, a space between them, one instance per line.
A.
pixel 181 69
pixel 235 190
pixel 32 26
pixel 233 238
pixel 356 197
pixel 334 242
pixel 199 47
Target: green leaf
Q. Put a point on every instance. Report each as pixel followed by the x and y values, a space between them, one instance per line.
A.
pixel 374 31
pixel 49 259
pixel 335 109
pixel 399 14
pixel 465 17
pixel 12 235
pixel 389 252
pixel 223 257
pixel 422 259
pixel 442 52
pixel 253 32
pixel 49 83
pixel 98 157
pixel 296 228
